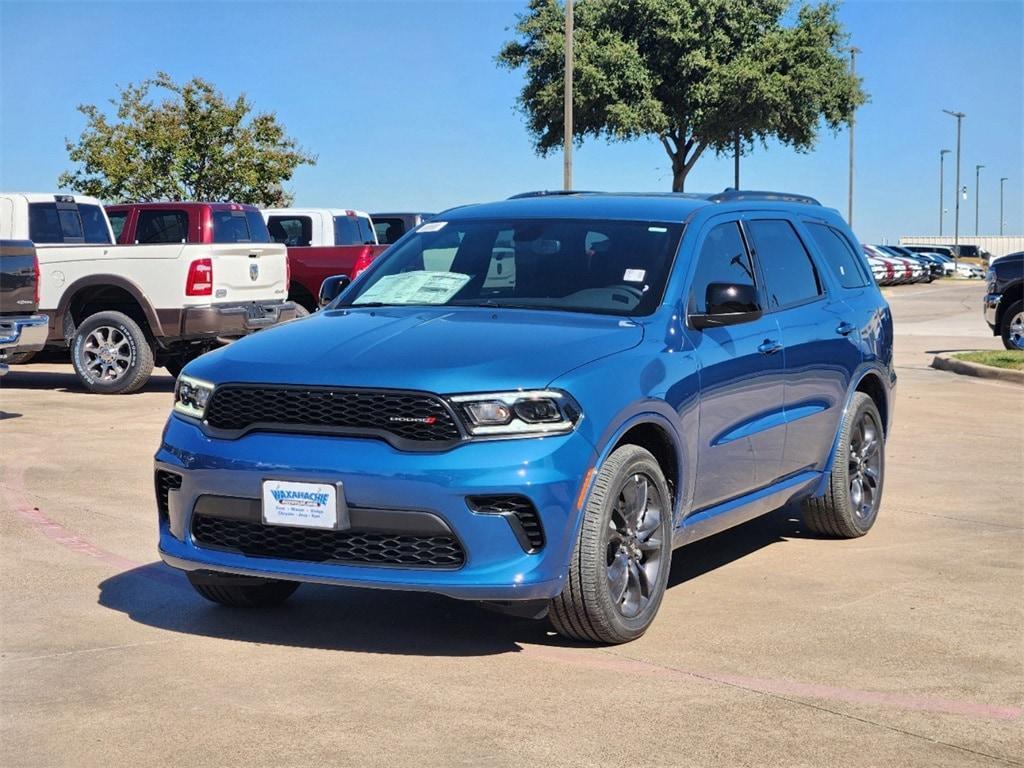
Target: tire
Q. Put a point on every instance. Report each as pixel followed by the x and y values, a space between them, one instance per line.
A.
pixel 587 609
pixel 173 365
pixel 844 511
pixel 111 354
pixel 230 591
pixel 1011 328
pixel 19 358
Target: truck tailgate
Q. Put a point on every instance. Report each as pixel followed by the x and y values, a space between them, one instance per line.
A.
pixel 245 271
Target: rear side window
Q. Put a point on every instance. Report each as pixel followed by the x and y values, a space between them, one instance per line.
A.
pixel 117 222
pixel 389 230
pixel 723 259
pixel 244 226
pixel 291 230
pixel 67 223
pixel 346 231
pixel 789 274
pixel 840 257
pixel 366 235
pixel 162 227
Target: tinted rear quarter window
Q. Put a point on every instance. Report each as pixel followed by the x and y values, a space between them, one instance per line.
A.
pixel 789 274
pixel 245 226
pixel 840 257
pixel 117 222
pixel 346 231
pixel 293 231
pixel 67 223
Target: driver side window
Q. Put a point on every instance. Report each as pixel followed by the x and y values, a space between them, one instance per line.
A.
pixel 723 258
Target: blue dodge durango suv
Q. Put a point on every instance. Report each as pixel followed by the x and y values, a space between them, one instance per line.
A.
pixel 531 403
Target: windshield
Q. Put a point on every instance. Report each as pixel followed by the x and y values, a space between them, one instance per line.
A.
pixel 605 267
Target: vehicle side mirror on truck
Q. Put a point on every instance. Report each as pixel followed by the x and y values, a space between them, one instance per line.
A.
pixel 728 304
pixel 331 288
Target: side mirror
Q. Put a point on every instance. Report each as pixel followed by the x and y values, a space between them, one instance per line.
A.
pixel 331 288
pixel 728 304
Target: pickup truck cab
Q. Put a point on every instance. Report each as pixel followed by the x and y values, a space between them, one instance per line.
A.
pixel 121 309
pixel 22 330
pixel 322 242
pixel 661 367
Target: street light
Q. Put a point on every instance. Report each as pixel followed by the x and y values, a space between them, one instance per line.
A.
pixel 956 217
pixel 1002 181
pixel 977 195
pixel 854 50
pixel 942 157
pixel 567 113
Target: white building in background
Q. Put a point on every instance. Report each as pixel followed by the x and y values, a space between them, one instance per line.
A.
pixel 997 245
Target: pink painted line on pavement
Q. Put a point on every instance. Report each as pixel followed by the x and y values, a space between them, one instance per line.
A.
pixel 613 662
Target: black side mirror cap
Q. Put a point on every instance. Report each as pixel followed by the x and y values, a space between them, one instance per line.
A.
pixel 331 288
pixel 728 304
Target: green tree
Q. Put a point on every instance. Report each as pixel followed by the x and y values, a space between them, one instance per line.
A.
pixel 191 145
pixel 698 74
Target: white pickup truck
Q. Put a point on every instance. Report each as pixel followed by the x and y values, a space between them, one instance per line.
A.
pixel 121 309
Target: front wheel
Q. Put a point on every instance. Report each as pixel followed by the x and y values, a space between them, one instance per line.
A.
pixel 111 354
pixel 850 504
pixel 619 567
pixel 1012 329
pixel 241 592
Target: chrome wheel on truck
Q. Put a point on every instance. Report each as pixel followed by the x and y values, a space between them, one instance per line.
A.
pixel 619 566
pixel 111 354
pixel 1013 326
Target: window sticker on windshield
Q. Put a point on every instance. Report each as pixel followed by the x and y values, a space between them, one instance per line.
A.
pixel 657 229
pixel 419 287
pixel 634 275
pixel 432 226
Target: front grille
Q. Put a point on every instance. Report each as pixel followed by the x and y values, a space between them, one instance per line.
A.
pixel 520 513
pixel 318 546
pixel 406 415
pixel 165 482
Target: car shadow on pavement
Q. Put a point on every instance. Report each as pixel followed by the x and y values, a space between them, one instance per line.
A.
pixel 23 377
pixel 384 621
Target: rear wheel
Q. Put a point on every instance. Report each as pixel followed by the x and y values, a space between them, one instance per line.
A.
pixel 850 504
pixel 241 591
pixel 1012 329
pixel 111 354
pixel 620 563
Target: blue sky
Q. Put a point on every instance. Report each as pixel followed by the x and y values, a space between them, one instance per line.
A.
pixel 405 108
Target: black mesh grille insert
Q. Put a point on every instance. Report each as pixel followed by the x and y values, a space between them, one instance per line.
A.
pixel 320 546
pixel 406 415
pixel 518 508
pixel 165 481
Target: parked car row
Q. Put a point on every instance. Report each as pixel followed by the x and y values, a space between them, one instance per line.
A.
pixel 128 287
pixel 896 265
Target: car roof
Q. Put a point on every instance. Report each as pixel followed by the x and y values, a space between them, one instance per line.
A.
pixel 309 211
pixel 629 206
pixel 51 197
pixel 178 204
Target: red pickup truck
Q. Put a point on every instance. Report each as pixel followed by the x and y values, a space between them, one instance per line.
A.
pixel 322 242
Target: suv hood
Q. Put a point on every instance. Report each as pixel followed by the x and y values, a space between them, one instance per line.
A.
pixel 442 350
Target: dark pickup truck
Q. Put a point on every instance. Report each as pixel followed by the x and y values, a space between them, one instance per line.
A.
pixel 1004 303
pixel 22 331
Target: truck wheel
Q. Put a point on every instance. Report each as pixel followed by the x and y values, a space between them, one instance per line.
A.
pixel 619 567
pixel 255 593
pixel 111 354
pixel 1012 329
pixel 19 358
pixel 849 506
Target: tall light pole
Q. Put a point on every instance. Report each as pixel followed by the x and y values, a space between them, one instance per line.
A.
pixel 956 218
pixel 942 158
pixel 1002 181
pixel 854 50
pixel 567 127
pixel 977 195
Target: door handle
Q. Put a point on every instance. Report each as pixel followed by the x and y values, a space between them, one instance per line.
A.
pixel 845 328
pixel 769 347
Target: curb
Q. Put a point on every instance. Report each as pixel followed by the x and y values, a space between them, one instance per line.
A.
pixel 944 361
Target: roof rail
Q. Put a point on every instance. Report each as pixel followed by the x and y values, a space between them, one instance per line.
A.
pixel 551 192
pixel 729 195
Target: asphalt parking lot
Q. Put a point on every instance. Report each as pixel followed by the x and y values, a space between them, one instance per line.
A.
pixel 903 648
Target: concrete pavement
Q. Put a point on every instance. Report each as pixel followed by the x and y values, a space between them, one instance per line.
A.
pixel 903 648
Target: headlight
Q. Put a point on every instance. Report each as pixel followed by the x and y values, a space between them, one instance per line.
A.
pixel 191 396
pixel 530 412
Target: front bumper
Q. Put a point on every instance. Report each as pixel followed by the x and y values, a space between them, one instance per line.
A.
pixel 236 319
pixel 990 308
pixel 22 333
pixel 549 471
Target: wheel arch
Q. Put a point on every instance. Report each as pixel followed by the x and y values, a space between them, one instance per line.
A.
pixel 1013 294
pixel 98 293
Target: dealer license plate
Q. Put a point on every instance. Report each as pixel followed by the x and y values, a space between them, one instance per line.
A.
pixel 300 505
